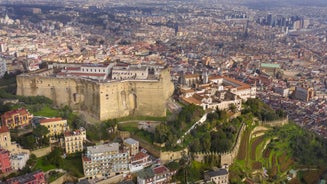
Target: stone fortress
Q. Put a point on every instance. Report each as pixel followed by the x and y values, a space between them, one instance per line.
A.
pixel 104 91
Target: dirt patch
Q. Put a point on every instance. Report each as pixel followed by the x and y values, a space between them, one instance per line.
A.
pixel 312 176
pixel 284 162
pixel 256 165
pixel 266 153
pixel 254 145
pixel 274 169
pixel 243 146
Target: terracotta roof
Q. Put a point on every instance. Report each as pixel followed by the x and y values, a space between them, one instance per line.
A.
pixel 4 129
pixel 9 114
pixel 191 75
pixel 160 170
pixel 72 133
pixel 50 120
pixel 214 77
pixel 191 100
pixel 139 156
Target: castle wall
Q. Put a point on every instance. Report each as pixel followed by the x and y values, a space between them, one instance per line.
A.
pixel 167 156
pixel 103 101
pixel 227 158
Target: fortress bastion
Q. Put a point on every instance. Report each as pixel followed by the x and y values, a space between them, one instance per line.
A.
pixel 101 99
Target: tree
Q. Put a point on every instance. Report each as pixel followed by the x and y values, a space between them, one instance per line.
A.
pixel 196 146
pixel 77 122
pixel 65 112
pixel 40 133
pixel 54 157
pixel 28 142
pixel 206 142
pixel 162 133
pixel 4 108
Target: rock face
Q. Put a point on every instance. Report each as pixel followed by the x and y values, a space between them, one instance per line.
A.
pixel 102 100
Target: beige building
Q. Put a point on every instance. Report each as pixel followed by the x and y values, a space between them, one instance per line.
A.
pixel 133 145
pixel 5 142
pixel 56 126
pixel 74 140
pixel 5 139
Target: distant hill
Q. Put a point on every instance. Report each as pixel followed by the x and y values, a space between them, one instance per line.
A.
pixel 267 4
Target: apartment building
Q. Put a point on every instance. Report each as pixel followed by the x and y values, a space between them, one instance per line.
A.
pixel 105 160
pixel 16 118
pixel 18 161
pixel 74 140
pixel 133 146
pixel 56 126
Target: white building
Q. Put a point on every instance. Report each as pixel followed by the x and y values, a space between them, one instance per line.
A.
pixel 92 71
pixel 74 140
pixel 125 72
pixel 105 160
pixel 239 88
pixel 18 161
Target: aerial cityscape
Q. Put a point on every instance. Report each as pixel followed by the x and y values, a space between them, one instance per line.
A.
pixel 169 91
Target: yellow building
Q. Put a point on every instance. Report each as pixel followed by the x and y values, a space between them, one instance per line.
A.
pixel 74 140
pixel 56 126
pixel 16 118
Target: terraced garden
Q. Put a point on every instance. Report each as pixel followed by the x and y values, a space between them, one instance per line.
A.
pixel 258 152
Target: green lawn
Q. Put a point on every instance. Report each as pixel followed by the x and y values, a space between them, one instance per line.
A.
pixel 73 165
pixel 130 127
pixel 42 164
pixel 47 111
pixel 149 118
